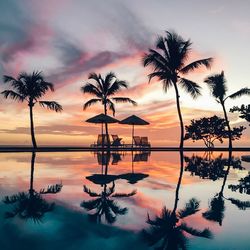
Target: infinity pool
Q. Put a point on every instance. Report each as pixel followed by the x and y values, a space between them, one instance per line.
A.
pixel 124 201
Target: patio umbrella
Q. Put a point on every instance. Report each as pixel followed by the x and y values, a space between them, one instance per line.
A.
pixel 133 120
pixel 102 118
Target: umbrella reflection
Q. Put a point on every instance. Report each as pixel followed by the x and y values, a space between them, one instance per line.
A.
pixel 104 205
pixel 31 204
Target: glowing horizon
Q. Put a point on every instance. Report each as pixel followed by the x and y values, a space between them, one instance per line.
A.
pixel 70 40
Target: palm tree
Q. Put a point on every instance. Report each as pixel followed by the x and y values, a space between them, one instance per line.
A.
pixel 168 61
pixel 168 230
pixel 103 204
pixel 218 87
pixel 104 90
pixel 30 88
pixel 31 204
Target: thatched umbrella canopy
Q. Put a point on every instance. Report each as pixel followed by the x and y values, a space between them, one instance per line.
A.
pixel 102 118
pixel 134 120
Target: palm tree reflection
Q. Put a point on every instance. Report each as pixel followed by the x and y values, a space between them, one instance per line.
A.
pixel 168 231
pixel 103 203
pixel 214 169
pixel 31 205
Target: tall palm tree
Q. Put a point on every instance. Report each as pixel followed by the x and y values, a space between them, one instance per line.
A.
pixel 104 90
pixel 218 87
pixel 168 61
pixel 168 230
pixel 30 88
pixel 31 204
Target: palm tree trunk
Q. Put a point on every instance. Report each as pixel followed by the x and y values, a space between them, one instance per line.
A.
pixel 179 114
pixel 32 131
pixel 226 174
pixel 179 183
pixel 106 125
pixel 228 126
pixel 32 168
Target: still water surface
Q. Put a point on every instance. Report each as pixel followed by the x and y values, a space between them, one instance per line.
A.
pixel 124 201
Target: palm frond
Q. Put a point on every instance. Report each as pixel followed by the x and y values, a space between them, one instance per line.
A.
pixel 116 86
pixel 91 204
pixel 191 207
pixel 90 103
pixel 52 189
pixel 243 205
pixel 117 210
pixel 217 85
pixel 7 79
pixel 195 65
pixel 91 89
pixel 111 106
pixel 190 87
pixel 206 233
pixel 241 92
pixel 13 95
pixel 121 195
pixel 89 192
pixel 52 105
pixel 124 100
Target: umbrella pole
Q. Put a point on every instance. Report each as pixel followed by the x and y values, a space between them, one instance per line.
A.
pixel 133 134
pixel 102 136
pixel 132 153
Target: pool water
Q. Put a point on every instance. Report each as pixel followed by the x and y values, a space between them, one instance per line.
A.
pixel 129 200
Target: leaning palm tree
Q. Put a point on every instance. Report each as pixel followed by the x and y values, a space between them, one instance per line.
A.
pixel 218 87
pixel 104 90
pixel 169 65
pixel 30 88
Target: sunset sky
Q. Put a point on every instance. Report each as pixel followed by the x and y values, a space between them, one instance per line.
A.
pixel 68 39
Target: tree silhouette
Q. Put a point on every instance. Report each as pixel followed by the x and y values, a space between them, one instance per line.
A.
pixel 104 90
pixel 31 205
pixel 210 129
pixel 168 61
pixel 168 231
pixel 212 169
pixel 243 110
pixel 30 88
pixel 217 85
pixel 104 204
pixel 217 203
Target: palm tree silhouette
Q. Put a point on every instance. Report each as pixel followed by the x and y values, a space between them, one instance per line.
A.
pixel 31 205
pixel 168 62
pixel 218 87
pixel 104 90
pixel 30 88
pixel 168 230
pixel 104 204
pixel 217 203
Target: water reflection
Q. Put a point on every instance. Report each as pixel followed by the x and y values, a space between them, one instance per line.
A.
pixel 168 231
pixel 214 168
pixel 208 167
pixel 104 204
pixel 31 204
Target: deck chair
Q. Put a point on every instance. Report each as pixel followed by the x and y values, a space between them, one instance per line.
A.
pixel 144 142
pixel 137 141
pixel 141 157
pixel 116 158
pixel 99 142
pixel 116 141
